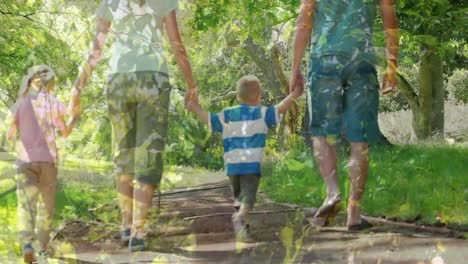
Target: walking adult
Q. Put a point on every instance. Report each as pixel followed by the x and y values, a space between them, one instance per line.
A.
pixel 343 89
pixel 138 92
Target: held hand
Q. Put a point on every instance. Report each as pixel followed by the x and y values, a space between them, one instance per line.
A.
pixel 191 106
pixel 297 81
pixel 191 95
pixel 298 91
pixel 389 82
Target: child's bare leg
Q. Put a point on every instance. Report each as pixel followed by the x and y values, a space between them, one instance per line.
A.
pixel 143 200
pixel 325 154
pixel 125 194
pixel 46 203
pixel 358 171
pixel 235 187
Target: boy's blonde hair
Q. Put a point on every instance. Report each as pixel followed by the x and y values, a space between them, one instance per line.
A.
pixel 248 88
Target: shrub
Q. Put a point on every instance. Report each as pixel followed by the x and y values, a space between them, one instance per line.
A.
pixel 457 86
pixel 396 101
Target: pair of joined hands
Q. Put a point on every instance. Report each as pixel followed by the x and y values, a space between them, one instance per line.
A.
pixel 191 100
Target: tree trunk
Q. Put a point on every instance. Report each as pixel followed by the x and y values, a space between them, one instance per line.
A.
pixel 428 106
pixel 422 118
pixel 438 96
pixel 428 120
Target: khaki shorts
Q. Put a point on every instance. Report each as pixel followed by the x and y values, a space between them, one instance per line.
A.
pixel 138 108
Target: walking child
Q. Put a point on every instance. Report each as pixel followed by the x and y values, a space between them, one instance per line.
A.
pixel 36 115
pixel 244 128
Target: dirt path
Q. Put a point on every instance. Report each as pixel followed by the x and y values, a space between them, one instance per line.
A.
pixel 194 226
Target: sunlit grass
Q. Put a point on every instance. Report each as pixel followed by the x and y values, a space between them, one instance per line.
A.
pixel 406 182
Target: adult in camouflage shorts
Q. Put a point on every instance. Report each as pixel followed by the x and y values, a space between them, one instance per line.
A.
pixel 343 89
pixel 138 108
pixel 138 94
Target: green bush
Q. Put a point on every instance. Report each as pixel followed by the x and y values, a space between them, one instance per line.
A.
pixel 396 101
pixel 457 86
pixel 405 182
pixel 188 142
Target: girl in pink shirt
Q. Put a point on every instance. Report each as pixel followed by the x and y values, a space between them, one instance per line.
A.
pixel 36 115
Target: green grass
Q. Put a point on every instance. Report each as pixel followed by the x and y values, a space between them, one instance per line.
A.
pixel 405 182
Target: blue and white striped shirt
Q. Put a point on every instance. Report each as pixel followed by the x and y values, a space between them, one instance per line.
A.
pixel 244 131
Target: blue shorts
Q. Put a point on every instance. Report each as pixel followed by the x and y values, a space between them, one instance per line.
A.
pixel 344 97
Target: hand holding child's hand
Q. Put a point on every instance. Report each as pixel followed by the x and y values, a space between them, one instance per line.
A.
pixel 191 95
pixel 192 103
pixel 389 81
pixel 298 91
pixel 191 106
pixel 296 82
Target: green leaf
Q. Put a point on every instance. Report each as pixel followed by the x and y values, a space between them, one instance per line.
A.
pixel 294 165
pixel 428 40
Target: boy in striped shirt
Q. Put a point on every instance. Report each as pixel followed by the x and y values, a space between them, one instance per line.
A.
pixel 244 128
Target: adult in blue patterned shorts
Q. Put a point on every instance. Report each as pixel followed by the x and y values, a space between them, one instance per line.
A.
pixel 138 93
pixel 343 89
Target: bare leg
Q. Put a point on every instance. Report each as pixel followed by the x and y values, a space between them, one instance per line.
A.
pixel 325 154
pixel 358 170
pixel 143 201
pixel 125 194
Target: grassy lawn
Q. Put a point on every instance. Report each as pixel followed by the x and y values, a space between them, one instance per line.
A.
pixel 426 184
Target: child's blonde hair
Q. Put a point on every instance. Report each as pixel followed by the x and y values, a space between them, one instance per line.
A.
pixel 248 88
pixel 45 73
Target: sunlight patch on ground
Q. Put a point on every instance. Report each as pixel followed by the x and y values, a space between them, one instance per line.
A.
pixel 179 177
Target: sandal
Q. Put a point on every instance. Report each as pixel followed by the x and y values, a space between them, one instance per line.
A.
pixel 327 212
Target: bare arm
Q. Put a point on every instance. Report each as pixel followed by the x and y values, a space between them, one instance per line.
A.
pixel 90 64
pixel 180 53
pixel 287 102
pixel 304 27
pixel 95 53
pixel 12 131
pixel 194 106
pixel 198 110
pixel 390 24
pixel 62 126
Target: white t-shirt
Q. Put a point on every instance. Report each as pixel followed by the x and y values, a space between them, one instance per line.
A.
pixel 138 33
